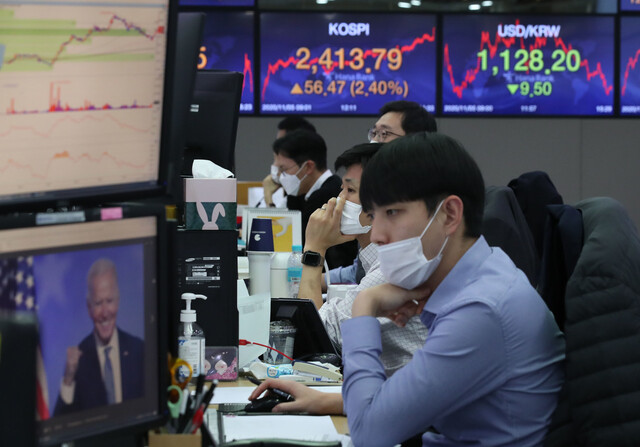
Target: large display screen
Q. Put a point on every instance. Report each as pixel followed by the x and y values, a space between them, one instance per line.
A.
pixel 345 63
pixel 227 44
pixel 81 96
pixel 528 65
pixel 629 66
pixel 629 5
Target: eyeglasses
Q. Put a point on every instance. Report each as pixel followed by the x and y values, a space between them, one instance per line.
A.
pixel 286 170
pixel 380 135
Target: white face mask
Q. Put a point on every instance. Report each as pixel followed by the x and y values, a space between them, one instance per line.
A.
pixel 291 183
pixel 350 221
pixel 404 264
pixel 275 174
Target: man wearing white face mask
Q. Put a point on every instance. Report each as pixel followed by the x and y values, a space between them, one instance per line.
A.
pixel 274 195
pixel 491 369
pixel 301 159
pixel 342 221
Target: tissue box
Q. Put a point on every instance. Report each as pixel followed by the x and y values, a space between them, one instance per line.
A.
pixel 210 204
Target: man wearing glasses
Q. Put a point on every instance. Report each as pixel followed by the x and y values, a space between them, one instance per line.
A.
pixel 399 118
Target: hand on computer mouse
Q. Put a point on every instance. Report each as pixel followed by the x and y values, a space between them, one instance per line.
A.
pixel 264 404
pixel 307 400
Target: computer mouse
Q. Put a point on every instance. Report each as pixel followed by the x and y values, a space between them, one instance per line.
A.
pixel 264 404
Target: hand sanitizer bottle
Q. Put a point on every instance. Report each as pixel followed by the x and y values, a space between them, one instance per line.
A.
pixel 191 341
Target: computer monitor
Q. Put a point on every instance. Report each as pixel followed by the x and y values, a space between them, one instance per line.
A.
pixel 213 122
pixel 84 96
pixel 93 283
pixel 287 226
pixel 189 35
pixel 311 336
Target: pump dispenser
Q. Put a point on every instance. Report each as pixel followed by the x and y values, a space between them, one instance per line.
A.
pixel 191 341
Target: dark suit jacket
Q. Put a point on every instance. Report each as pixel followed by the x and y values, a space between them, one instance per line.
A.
pixel 339 255
pixel 90 391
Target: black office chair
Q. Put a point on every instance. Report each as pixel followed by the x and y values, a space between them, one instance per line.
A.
pixel 562 244
pixel 534 191
pixel 600 401
pixel 505 226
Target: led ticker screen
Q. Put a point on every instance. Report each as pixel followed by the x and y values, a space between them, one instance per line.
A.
pixel 227 44
pixel 343 63
pixel 528 65
pixel 629 5
pixel 629 66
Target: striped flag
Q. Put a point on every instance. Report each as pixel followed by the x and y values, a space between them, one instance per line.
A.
pixel 18 292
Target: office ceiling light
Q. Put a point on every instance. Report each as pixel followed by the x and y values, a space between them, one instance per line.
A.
pixel 416 2
pixel 404 5
pixel 474 7
pixel 487 3
pixel 322 2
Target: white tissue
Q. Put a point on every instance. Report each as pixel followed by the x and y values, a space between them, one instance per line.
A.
pixel 208 169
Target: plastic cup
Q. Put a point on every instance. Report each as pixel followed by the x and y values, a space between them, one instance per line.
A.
pixel 281 337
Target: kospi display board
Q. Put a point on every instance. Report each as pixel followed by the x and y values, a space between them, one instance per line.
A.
pixel 629 66
pixel 227 44
pixel 528 65
pixel 345 63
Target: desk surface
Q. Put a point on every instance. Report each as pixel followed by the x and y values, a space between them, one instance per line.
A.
pixel 340 422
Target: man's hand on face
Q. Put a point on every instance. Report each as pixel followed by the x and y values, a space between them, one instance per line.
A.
pixel 323 229
pixel 270 187
pixel 71 367
pixel 393 302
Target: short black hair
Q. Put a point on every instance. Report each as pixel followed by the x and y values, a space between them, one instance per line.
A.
pixel 358 154
pixel 415 118
pixel 425 166
pixel 291 123
pixel 302 145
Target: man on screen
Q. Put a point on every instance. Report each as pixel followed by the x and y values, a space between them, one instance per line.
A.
pixel 107 366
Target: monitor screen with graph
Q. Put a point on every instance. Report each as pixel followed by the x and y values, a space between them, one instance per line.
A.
pixel 227 44
pixel 82 98
pixel 528 65
pixel 345 63
pixel 286 225
pixel 629 67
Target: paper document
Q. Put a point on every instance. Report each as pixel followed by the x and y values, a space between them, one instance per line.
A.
pixel 302 428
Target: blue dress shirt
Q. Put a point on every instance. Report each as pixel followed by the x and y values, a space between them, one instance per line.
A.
pixel 344 275
pixel 488 374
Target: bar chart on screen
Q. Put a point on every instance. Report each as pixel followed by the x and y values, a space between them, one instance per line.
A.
pixel 81 88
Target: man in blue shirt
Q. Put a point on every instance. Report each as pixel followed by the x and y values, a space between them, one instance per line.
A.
pixel 491 367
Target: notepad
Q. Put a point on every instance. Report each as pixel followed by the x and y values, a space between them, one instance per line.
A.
pixel 301 428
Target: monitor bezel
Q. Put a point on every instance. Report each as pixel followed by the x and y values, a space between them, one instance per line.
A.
pixel 139 426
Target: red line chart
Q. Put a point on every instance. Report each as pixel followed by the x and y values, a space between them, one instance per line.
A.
pixel 285 63
pixel 538 43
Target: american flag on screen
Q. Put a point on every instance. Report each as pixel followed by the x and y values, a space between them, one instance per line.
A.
pixel 18 293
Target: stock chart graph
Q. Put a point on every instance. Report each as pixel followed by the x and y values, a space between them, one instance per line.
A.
pixel 81 87
pixel 629 66
pixel 537 65
pixel 227 44
pixel 345 63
